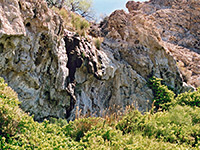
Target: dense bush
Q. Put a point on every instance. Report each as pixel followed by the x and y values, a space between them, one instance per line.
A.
pixel 77 129
pixel 20 131
pixel 189 98
pixel 163 97
pixel 107 137
pixel 9 114
pixel 180 125
pixel 176 128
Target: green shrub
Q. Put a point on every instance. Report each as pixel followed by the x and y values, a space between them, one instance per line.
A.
pixel 189 98
pixel 179 125
pixel 163 97
pixel 131 122
pixel 109 138
pixel 64 14
pixel 73 21
pixel 97 43
pixel 9 113
pixel 76 129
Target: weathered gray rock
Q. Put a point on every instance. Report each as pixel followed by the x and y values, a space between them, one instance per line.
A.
pixel 33 58
pixel 137 44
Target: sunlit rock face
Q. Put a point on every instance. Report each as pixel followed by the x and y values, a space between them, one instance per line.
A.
pixel 177 23
pixel 33 58
pixel 56 73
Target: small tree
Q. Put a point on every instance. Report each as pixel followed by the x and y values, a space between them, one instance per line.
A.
pixel 82 7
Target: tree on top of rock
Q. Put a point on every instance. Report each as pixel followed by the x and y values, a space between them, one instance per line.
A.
pixel 82 7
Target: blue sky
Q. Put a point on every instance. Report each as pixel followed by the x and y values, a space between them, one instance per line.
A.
pixel 102 7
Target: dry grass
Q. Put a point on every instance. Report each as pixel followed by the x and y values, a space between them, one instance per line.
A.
pixel 111 115
pixel 97 42
pixel 73 21
pixel 64 14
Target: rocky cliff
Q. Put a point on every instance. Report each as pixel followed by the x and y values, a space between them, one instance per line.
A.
pixel 55 72
pixel 177 24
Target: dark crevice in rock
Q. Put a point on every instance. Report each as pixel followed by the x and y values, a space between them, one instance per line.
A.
pixel 72 104
pixel 60 29
pixel 79 52
pixel 71 92
pixel 74 59
pixel 7 61
pixel 49 67
pixel 47 94
pixel 28 24
pixel 35 13
pixel 39 57
pixel 44 45
pixel 1 48
pixel 20 6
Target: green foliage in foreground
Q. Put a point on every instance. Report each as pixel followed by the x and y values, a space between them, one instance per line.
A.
pixel 176 128
pixel 163 97
pixel 189 98
pixel 179 125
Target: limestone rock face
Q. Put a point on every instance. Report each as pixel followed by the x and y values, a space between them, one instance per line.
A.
pixel 177 23
pixel 99 81
pixel 56 73
pixel 33 58
pixel 133 41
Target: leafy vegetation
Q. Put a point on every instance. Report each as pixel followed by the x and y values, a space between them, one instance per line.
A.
pixel 176 127
pixel 179 125
pixel 189 98
pixel 163 97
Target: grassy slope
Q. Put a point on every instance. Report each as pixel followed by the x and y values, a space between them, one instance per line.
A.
pixel 176 128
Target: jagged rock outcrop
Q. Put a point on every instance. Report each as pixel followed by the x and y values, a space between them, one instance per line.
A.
pixel 55 72
pixel 137 44
pixel 33 58
pixel 177 23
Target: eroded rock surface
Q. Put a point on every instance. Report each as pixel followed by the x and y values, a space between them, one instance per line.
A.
pixel 33 58
pixel 55 72
pixel 177 24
